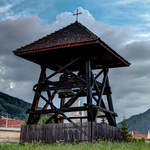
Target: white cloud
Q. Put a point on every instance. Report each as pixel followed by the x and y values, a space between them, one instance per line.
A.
pixel 7 12
pixel 144 35
pixel 4 9
pixel 126 2
pixel 145 17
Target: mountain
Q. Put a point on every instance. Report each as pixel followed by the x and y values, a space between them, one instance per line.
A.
pixel 140 122
pixel 13 107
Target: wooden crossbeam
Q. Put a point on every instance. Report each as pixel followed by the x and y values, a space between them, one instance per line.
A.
pixel 70 109
pixel 51 97
pixel 47 101
pixel 69 86
pixel 82 117
pixel 103 87
pixel 51 118
pixel 74 75
pixel 99 74
pixel 96 85
pixel 110 116
pixel 63 68
pixel 71 83
pixel 107 111
pixel 72 100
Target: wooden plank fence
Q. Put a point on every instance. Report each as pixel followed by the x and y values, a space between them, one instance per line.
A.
pixel 68 133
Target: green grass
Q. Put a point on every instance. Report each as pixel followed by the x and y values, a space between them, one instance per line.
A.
pixel 83 146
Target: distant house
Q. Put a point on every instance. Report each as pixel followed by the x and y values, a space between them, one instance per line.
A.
pixel 148 135
pixel 136 134
pixel 9 122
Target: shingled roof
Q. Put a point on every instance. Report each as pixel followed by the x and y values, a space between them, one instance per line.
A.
pixel 69 42
pixel 74 33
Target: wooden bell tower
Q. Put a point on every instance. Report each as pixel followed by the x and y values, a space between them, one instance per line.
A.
pixel 82 61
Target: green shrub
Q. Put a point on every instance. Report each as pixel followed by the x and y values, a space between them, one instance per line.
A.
pixel 124 131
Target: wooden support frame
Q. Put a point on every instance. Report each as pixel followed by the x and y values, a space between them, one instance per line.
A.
pixel 83 84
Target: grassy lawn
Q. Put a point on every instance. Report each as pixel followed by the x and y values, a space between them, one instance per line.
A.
pixel 85 146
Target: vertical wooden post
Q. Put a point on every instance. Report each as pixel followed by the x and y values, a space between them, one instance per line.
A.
pixel 109 99
pixel 38 90
pixel 62 102
pixel 89 96
pixel 33 118
pixel 89 86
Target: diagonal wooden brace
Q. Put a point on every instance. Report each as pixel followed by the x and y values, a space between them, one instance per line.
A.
pixel 63 68
pixel 103 87
pixel 51 97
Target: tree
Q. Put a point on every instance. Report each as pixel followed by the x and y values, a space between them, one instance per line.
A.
pixel 124 131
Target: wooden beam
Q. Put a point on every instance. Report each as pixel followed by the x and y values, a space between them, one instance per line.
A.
pixel 38 89
pixel 106 111
pixel 72 100
pixel 63 68
pixel 103 87
pixel 33 119
pixel 69 86
pixel 70 109
pixel 82 117
pixel 110 103
pixel 110 116
pixel 51 118
pixel 47 101
pixel 50 97
pixel 109 98
pixel 99 74
pixel 74 75
pixel 88 81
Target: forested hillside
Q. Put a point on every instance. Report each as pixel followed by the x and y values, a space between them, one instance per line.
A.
pixel 13 107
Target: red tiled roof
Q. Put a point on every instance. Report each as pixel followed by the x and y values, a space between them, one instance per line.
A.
pixel 10 122
pixel 136 134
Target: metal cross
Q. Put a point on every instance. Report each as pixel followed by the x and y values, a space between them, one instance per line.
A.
pixel 77 14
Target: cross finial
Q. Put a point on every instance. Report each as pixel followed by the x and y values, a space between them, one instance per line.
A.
pixel 77 14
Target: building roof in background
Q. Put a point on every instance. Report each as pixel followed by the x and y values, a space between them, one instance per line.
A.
pixel 9 122
pixel 136 134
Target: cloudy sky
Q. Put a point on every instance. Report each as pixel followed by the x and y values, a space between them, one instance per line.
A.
pixel 122 24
